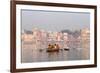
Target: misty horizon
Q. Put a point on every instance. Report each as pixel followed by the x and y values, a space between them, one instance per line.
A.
pixel 54 21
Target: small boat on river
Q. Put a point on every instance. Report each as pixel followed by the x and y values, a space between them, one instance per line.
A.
pixel 53 48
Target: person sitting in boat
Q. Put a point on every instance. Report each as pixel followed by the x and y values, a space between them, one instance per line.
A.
pixel 56 46
pixel 49 46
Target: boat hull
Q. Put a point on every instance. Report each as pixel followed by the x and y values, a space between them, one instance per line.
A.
pixel 53 50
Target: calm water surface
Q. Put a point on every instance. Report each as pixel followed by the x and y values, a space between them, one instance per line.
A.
pixel 29 54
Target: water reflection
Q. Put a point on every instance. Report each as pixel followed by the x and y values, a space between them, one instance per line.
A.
pixel 29 54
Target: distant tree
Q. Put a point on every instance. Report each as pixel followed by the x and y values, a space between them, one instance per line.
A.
pixel 67 31
pixel 75 33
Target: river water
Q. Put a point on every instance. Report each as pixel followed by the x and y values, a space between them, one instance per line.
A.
pixel 29 54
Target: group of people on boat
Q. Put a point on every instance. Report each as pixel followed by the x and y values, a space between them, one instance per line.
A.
pixel 54 47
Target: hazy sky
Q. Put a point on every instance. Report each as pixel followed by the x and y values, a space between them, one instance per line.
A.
pixel 54 21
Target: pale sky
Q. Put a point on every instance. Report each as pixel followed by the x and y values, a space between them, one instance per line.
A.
pixel 54 20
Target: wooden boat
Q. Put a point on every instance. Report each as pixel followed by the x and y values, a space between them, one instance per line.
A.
pixel 40 50
pixel 67 49
pixel 53 48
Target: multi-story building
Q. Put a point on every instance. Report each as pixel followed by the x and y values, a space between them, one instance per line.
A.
pixel 41 38
pixel 85 41
pixel 65 40
pixel 85 38
pixel 27 36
